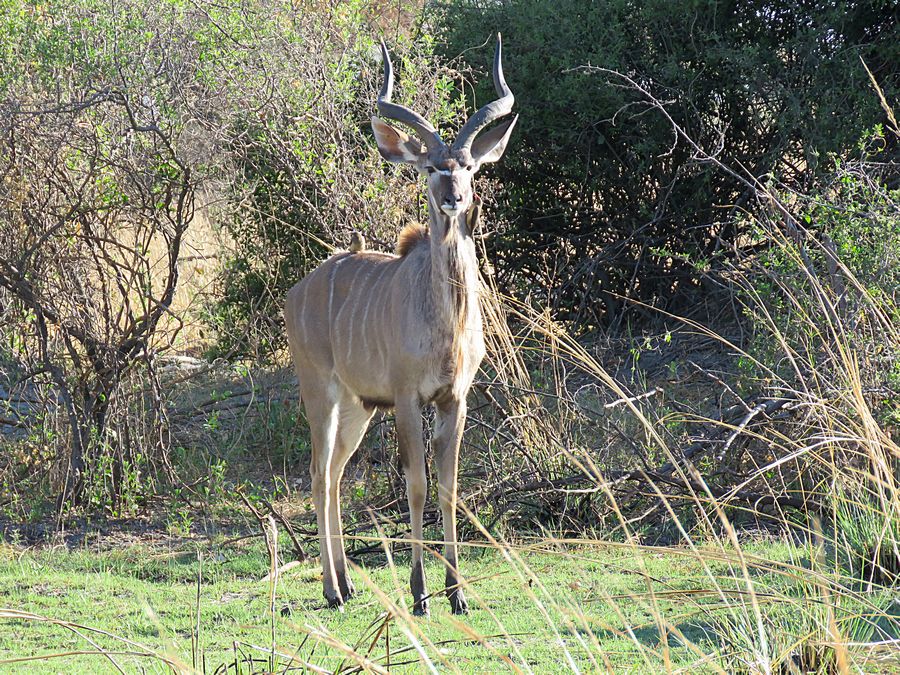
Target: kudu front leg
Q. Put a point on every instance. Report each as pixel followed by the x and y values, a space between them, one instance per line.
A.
pixel 450 419
pixel 412 456
pixel 336 430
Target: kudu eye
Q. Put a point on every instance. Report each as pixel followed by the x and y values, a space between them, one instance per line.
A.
pixel 430 169
pixel 470 167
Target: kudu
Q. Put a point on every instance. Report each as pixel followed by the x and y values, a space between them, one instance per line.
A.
pixel 370 330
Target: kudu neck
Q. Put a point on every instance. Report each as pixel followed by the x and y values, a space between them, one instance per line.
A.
pixel 454 270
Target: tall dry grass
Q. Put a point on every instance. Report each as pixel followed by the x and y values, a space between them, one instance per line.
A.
pixel 826 609
pixel 809 451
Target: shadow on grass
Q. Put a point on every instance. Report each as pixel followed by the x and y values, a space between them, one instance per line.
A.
pixel 697 633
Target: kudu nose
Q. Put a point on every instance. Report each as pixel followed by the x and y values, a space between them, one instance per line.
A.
pixel 452 200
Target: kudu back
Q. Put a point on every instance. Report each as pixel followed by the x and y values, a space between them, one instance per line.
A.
pixel 370 330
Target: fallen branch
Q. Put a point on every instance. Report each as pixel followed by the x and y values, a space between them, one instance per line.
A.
pixel 632 399
pixel 699 447
pixel 299 552
pixel 585 482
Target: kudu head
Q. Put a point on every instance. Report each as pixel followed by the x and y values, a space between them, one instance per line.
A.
pixel 449 169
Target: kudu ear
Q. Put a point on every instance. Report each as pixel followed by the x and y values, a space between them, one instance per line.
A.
pixel 394 145
pixel 489 146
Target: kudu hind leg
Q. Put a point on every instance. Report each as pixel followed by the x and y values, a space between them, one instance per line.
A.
pixel 322 413
pixel 353 419
pixel 412 456
pixel 450 419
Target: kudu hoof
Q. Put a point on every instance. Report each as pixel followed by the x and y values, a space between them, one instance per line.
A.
pixel 420 608
pixel 458 604
pixel 348 590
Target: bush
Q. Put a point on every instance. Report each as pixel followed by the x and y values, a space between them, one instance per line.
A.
pixel 307 171
pixel 601 196
pixel 97 185
pixel 825 279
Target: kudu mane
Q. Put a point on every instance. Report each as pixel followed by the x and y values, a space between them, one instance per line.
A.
pixel 410 236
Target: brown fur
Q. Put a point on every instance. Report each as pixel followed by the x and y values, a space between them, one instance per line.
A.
pixel 460 309
pixel 369 330
pixel 409 238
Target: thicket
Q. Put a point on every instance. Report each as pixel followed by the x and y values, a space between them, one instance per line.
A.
pixel 802 407
pixel 667 153
pixel 97 186
pixel 677 173
pixel 602 201
pixel 119 124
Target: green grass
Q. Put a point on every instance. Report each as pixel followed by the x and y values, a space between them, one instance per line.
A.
pixel 608 604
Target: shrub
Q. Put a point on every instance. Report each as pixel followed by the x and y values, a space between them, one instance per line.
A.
pixel 601 196
pixel 97 190
pixel 307 171
pixel 825 281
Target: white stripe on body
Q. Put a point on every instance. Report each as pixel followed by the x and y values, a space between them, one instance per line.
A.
pixel 331 316
pixel 385 299
pixel 378 291
pixel 337 319
pixel 301 319
pixel 354 322
pixel 365 320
